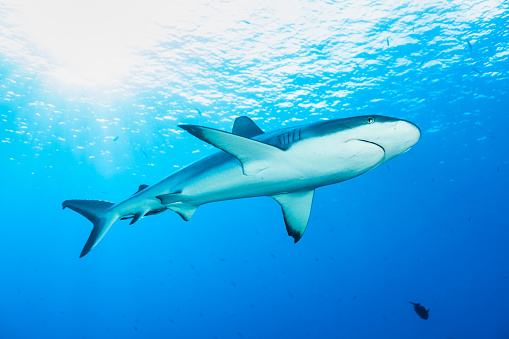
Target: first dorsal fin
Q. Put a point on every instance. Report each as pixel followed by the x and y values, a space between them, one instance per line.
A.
pixel 245 127
pixel 255 156
pixel 296 208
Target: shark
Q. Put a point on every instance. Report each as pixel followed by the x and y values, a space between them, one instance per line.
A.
pixel 287 164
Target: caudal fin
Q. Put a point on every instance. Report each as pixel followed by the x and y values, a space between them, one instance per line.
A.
pixel 97 212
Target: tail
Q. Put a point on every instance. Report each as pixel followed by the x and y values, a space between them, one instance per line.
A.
pixel 97 212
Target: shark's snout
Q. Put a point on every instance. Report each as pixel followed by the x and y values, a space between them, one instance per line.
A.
pixel 410 131
pixel 406 134
pixel 396 137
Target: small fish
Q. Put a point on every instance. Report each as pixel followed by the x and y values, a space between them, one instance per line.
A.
pixel 478 71
pixel 387 41
pixel 116 138
pixel 420 310
pixel 199 113
pixel 469 45
pixel 144 153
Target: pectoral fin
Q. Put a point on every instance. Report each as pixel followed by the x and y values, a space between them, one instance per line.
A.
pixel 255 156
pixel 296 208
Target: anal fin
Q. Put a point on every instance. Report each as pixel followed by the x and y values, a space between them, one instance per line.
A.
pixel 296 207
pixel 138 216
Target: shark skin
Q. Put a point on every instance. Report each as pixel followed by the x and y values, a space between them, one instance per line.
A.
pixel 287 164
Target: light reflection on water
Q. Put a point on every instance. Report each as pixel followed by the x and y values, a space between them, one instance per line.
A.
pixel 79 76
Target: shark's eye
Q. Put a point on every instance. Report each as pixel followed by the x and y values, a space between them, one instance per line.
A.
pixel 370 120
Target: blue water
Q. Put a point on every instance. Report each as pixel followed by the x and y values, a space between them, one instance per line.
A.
pixel 90 98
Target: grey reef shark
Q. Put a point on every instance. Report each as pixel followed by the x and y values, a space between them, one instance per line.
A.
pixel 286 164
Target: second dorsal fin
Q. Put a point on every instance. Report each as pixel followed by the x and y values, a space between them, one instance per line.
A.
pixel 245 127
pixel 141 188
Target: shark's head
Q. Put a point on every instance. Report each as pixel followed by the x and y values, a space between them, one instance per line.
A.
pixel 393 136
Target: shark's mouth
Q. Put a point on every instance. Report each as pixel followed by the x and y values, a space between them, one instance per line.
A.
pixel 382 159
pixel 373 143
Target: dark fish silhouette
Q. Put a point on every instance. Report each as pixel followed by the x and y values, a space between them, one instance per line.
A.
pixel 420 310
pixel 116 138
pixel 469 45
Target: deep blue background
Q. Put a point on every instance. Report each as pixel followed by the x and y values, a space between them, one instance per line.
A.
pixel 430 226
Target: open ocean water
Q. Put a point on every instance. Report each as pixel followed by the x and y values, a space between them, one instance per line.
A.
pixel 91 94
